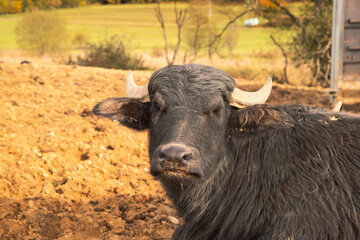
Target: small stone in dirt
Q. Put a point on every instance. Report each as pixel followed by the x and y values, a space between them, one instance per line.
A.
pixel 110 147
pixel 130 216
pixel 151 214
pixel 151 207
pixel 122 206
pixel 70 112
pixel 100 128
pixel 94 202
pixel 38 80
pixel 163 209
pixel 25 62
pixel 142 215
pixel 86 113
pixel 84 156
pixel 173 220
pixel 61 181
pixel 59 191
pixel 158 218
pixel 14 103
pixel 115 237
pixel 99 209
pixel 138 198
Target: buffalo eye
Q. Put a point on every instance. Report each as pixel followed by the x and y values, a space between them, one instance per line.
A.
pixel 217 110
pixel 214 110
pixel 156 108
pixel 158 104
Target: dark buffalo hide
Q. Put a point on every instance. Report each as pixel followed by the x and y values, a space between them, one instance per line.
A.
pixel 258 172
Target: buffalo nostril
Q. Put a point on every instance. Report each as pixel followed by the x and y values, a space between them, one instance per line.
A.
pixel 188 156
pixel 176 153
pixel 162 155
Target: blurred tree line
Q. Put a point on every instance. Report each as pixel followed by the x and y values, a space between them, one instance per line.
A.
pixel 18 6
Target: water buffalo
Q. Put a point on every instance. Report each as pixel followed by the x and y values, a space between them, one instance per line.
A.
pixel 236 168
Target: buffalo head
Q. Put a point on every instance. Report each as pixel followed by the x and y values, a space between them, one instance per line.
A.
pixel 187 110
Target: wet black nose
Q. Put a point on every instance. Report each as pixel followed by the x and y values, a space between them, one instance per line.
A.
pixel 175 153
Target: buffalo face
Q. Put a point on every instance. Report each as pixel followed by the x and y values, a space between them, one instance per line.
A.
pixel 187 133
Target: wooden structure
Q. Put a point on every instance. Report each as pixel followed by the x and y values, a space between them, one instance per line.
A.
pixel 345 62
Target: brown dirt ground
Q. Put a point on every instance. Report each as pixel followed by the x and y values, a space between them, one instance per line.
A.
pixel 67 174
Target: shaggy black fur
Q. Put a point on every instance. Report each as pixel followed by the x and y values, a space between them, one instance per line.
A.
pixel 283 172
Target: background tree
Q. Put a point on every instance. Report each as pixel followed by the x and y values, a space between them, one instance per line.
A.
pixel 7 6
pixel 196 38
pixel 109 53
pixel 276 12
pixel 217 36
pixel 181 17
pixel 70 3
pixel 312 41
pixel 196 30
pixel 46 4
pixel 42 32
pixel 231 34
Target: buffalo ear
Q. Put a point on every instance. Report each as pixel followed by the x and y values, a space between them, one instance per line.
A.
pixel 129 112
pixel 258 118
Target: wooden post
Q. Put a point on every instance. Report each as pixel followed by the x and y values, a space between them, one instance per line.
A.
pixel 337 47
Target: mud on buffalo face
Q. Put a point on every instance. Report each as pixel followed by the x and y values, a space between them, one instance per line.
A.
pixel 187 112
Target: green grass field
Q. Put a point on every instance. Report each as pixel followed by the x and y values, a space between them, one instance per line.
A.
pixel 137 23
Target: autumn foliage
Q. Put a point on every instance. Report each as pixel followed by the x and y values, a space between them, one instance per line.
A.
pixel 270 4
pixel 42 32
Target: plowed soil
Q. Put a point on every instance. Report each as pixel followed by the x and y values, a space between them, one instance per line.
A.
pixel 67 174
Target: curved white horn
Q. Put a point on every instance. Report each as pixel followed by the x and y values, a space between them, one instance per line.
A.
pixel 240 97
pixel 134 91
